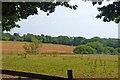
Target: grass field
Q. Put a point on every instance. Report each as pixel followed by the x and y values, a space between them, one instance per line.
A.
pixel 83 66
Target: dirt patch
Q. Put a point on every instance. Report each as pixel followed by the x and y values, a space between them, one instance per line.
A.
pixel 10 77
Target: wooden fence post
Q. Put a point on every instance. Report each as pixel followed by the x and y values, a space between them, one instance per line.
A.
pixel 19 77
pixel 70 75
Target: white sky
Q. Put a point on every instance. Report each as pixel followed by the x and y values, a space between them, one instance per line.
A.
pixel 64 21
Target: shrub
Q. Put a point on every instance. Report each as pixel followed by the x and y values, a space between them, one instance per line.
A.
pixel 84 49
pixel 97 46
pixel 106 50
pixel 118 50
pixel 112 50
pixel 32 47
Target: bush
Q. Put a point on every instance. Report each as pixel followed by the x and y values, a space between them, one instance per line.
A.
pixel 84 49
pixel 97 46
pixel 112 50
pixel 33 47
pixel 118 50
pixel 106 50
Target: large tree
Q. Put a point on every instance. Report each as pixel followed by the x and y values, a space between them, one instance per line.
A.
pixel 12 12
pixel 110 12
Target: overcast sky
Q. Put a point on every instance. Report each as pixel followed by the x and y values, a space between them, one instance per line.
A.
pixel 64 21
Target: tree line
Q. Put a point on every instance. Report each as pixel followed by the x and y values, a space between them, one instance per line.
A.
pixel 95 44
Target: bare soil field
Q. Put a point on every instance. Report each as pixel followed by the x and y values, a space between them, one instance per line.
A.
pixel 17 47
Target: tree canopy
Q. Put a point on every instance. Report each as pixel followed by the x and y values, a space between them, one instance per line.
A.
pixel 110 12
pixel 12 12
pixel 15 11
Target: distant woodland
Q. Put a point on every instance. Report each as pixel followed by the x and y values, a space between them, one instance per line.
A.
pixel 83 45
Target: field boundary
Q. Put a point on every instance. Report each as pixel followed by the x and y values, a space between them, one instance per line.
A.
pixel 45 77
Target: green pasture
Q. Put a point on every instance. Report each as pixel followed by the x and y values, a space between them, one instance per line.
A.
pixel 83 66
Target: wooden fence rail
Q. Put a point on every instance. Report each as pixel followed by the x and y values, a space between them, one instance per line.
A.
pixel 31 75
pixel 46 77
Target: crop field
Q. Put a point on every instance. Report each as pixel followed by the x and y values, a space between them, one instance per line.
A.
pixel 12 47
pixel 83 66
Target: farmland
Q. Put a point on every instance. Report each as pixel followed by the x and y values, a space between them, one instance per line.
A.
pixel 12 47
pixel 83 66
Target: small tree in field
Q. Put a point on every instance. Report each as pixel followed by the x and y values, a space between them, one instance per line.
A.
pixel 32 48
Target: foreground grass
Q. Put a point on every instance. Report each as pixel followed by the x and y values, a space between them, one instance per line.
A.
pixel 83 66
